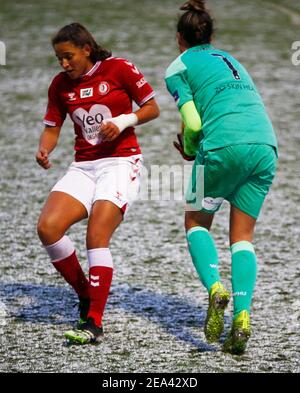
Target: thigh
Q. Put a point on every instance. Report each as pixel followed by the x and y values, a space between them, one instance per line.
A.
pixel 104 219
pixel 58 214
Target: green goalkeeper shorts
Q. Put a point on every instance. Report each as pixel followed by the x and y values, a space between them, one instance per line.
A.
pixel 241 174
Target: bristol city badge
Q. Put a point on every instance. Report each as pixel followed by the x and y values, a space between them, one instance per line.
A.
pixel 103 88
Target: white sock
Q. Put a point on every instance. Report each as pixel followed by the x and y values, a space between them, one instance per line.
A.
pixel 62 249
pixel 100 257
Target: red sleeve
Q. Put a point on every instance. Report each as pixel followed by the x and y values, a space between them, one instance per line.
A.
pixel 56 112
pixel 135 83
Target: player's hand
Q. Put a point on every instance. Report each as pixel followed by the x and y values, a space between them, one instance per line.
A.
pixel 109 131
pixel 179 146
pixel 42 158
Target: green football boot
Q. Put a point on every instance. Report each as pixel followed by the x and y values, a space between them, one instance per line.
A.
pixel 89 333
pixel 214 323
pixel 238 336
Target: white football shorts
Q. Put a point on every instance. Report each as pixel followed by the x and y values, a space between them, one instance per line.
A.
pixel 115 179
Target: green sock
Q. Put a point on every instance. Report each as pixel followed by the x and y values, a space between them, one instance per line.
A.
pixel 243 275
pixel 204 255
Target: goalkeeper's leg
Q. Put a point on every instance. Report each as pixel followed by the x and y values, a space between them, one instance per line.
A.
pixel 205 258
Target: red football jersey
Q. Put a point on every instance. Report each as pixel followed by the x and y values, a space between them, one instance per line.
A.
pixel 107 90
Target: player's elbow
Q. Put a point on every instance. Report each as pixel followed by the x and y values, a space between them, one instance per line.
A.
pixel 151 109
pixel 155 110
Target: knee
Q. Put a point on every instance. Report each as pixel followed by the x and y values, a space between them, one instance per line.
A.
pixel 188 222
pixel 198 218
pixel 49 230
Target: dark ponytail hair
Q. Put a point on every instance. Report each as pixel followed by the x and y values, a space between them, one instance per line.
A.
pixel 196 24
pixel 79 36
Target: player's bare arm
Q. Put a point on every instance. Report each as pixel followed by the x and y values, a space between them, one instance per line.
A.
pixel 47 144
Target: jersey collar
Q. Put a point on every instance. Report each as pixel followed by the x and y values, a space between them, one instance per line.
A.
pixel 201 47
pixel 91 71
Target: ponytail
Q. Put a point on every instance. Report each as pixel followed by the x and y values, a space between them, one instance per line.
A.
pixel 196 24
pixel 194 5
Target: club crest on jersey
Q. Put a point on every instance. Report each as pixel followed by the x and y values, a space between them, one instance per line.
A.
pixel 85 93
pixel 103 88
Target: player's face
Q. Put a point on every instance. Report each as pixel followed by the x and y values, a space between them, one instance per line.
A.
pixel 73 59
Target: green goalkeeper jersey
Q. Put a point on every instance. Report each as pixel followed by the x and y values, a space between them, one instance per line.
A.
pixel 225 96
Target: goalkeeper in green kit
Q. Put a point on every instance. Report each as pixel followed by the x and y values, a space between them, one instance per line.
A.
pixel 228 133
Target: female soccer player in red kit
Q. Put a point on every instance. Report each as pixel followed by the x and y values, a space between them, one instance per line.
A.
pixel 97 91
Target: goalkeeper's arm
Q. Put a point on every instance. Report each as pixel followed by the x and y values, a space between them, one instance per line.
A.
pixel 191 128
